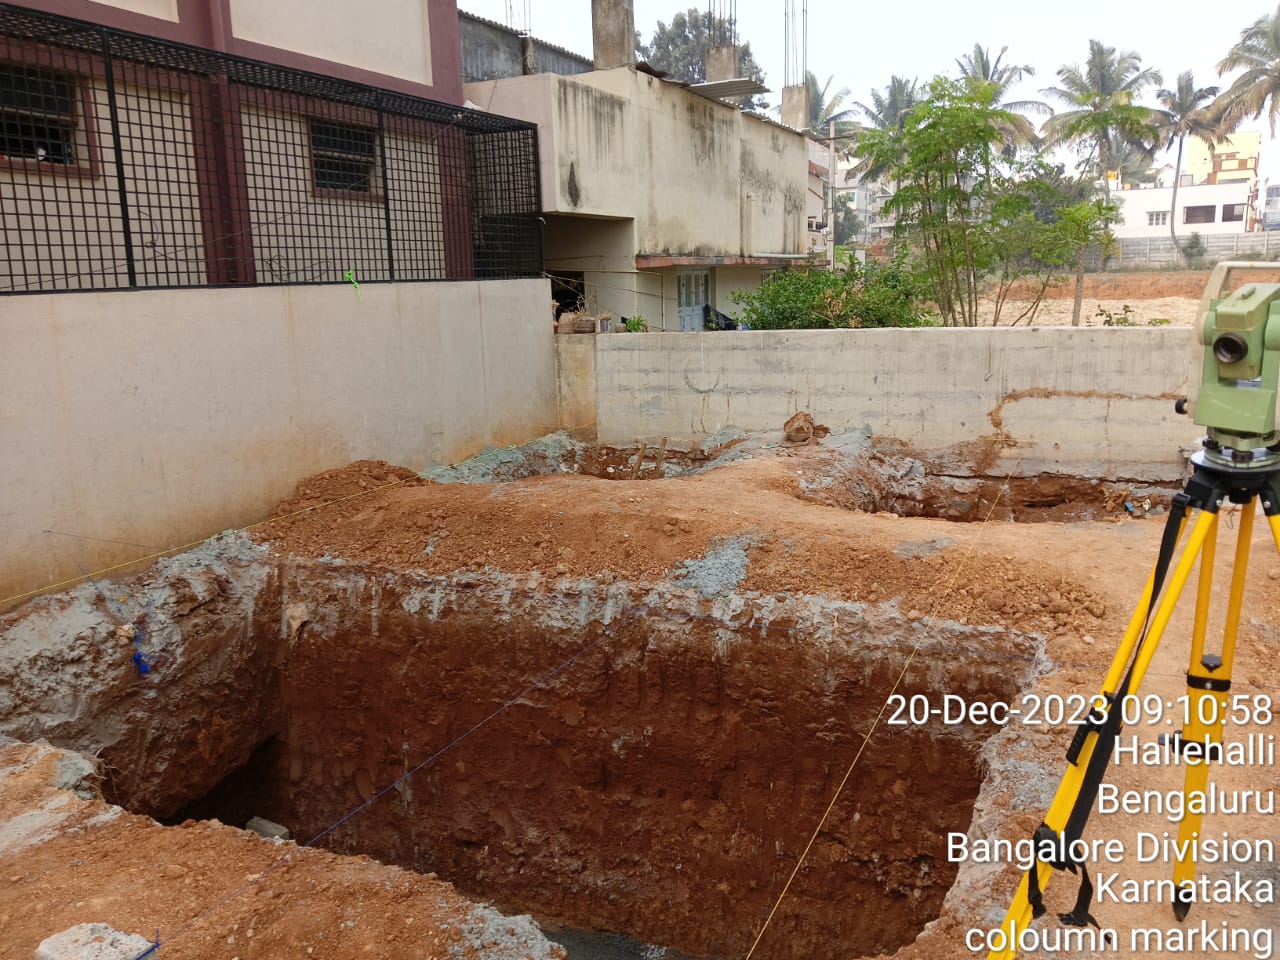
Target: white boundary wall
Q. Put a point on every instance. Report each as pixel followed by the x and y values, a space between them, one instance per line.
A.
pixel 1085 402
pixel 160 417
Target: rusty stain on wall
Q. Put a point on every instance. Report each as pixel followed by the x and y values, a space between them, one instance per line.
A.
pixel 996 414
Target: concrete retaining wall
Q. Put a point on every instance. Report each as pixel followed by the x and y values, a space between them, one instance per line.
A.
pixel 1088 402
pixel 133 422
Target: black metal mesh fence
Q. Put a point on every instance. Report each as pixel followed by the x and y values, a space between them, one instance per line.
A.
pixel 127 161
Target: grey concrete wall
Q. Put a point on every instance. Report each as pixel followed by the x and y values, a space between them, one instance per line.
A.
pixel 134 422
pixel 576 381
pixel 491 51
pixel 613 33
pixel 1089 402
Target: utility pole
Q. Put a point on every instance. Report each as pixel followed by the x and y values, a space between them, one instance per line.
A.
pixel 831 189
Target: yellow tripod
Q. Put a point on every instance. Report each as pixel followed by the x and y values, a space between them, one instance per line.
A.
pixel 1218 477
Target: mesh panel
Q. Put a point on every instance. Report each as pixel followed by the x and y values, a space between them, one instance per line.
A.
pixel 127 161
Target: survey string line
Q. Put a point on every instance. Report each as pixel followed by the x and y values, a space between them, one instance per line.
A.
pixel 948 588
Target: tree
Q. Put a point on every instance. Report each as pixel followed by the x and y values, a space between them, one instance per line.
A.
pixel 1258 88
pixel 977 67
pixel 1134 165
pixel 823 112
pixel 1026 236
pixel 1183 114
pixel 888 113
pixel 890 109
pixel 1104 115
pixel 1082 225
pixel 943 158
pixel 846 224
pixel 681 50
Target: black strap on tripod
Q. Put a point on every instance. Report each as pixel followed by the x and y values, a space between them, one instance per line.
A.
pixel 1106 728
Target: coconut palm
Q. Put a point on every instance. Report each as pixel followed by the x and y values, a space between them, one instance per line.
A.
pixel 1103 113
pixel 890 109
pixel 1258 88
pixel 822 111
pixel 977 67
pixel 1134 165
pixel 1183 113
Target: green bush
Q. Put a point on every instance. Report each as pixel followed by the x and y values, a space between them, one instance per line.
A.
pixel 802 299
pixel 870 295
pixel 889 294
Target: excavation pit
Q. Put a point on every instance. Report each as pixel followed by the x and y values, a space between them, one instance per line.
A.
pixel 619 707
pixel 636 759
pixel 907 485
pixel 853 471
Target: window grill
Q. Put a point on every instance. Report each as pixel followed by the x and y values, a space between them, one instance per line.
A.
pixel 128 161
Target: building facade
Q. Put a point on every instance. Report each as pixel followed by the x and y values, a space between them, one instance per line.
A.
pixel 660 199
pixel 230 187
pixel 1205 208
pixel 1235 160
pixel 410 46
pixel 1217 193
pixel 134 160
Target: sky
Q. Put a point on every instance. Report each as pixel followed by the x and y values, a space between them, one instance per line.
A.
pixel 861 45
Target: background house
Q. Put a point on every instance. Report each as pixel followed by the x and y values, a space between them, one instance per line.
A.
pixel 658 197
pixel 1204 208
pixel 817 197
pixel 1217 193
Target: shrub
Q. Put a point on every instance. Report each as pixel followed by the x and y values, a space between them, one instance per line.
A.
pixel 794 300
pixel 870 295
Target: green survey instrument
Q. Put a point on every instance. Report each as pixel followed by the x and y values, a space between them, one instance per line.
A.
pixel 1233 373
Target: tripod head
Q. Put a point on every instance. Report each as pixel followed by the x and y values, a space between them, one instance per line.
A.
pixel 1235 370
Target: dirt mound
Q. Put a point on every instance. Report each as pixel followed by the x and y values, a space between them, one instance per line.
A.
pixel 357 477
pixel 1144 285
pixel 85 859
pixel 643 530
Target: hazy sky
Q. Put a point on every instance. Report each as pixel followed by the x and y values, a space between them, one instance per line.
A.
pixel 862 45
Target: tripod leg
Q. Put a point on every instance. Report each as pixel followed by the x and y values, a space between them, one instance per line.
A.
pixel 1021 911
pixel 1208 680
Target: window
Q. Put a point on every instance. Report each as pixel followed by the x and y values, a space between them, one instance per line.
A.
pixel 37 115
pixel 1158 218
pixel 1232 212
pixel 1198 214
pixel 343 157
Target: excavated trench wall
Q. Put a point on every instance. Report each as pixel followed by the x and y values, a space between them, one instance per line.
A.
pixel 662 779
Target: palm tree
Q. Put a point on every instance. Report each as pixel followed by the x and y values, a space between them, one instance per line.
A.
pixel 1258 88
pixel 977 67
pixel 1104 114
pixel 1134 165
pixel 890 109
pixel 821 110
pixel 1183 114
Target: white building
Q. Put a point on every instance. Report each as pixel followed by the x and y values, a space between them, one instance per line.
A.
pixel 820 231
pixel 1205 208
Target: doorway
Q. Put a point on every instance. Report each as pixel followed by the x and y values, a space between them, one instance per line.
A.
pixel 693 293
